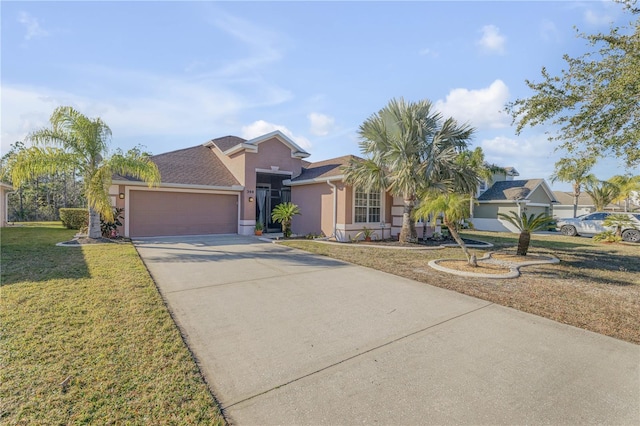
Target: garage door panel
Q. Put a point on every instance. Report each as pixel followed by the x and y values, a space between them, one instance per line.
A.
pixel 181 213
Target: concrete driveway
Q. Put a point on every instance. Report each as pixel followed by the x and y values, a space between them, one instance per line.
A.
pixel 287 337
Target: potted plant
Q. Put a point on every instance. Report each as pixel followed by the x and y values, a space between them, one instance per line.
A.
pixel 259 228
pixel 366 234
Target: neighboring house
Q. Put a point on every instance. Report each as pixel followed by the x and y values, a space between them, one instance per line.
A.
pixel 564 208
pixel 227 184
pixel 529 196
pixel 5 190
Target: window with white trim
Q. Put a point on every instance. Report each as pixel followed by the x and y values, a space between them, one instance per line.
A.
pixel 367 206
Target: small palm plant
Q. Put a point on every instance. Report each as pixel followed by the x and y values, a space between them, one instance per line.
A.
pixel 526 225
pixel 454 208
pixel 283 213
pixel 619 221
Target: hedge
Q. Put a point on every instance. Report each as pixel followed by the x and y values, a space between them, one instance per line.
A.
pixel 74 218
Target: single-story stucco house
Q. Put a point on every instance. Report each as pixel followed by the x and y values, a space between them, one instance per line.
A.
pixel 5 190
pixel 226 185
pixel 532 196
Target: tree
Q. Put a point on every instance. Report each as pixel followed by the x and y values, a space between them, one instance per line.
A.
pixel 283 213
pixel 526 225
pixel 475 162
pixel 626 184
pixel 454 209
pixel 75 142
pixel 602 193
pixel 575 171
pixel 409 148
pixel 595 102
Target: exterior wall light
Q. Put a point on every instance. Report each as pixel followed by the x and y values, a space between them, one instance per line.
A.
pixel 251 199
pixel 121 195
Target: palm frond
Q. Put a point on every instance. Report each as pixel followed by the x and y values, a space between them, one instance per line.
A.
pixel 35 162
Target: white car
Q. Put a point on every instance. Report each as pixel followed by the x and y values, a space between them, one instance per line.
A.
pixel 591 224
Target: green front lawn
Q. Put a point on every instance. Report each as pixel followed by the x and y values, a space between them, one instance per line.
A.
pixel 595 286
pixel 90 317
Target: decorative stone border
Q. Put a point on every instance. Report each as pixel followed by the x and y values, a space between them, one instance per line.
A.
pixel 514 267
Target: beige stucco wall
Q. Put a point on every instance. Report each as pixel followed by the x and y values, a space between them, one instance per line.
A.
pixel 316 207
pixel 539 196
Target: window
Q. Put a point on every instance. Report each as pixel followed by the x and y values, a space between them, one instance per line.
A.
pixel 367 206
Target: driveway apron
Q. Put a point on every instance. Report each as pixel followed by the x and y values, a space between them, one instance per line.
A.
pixel 286 337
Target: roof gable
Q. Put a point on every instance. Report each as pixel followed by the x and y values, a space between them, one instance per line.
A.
pixel 232 144
pixel 515 190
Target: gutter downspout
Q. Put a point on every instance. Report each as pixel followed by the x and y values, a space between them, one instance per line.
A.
pixel 335 207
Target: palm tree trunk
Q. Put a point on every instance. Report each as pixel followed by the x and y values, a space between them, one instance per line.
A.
pixel 576 195
pixel 408 231
pixel 94 224
pixel 523 243
pixel 471 258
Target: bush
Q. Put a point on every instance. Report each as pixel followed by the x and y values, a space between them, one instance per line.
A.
pixel 607 237
pixel 74 218
pixel 109 229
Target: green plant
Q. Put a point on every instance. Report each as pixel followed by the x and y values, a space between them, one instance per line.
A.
pixel 76 142
pixel 619 221
pixel 365 234
pixel 526 225
pixel 74 218
pixel 259 226
pixel 283 214
pixel 109 229
pixel 607 237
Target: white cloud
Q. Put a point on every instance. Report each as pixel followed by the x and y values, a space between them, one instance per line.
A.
pixel 189 110
pixel 31 24
pixel 428 52
pixel 482 108
pixel 261 127
pixel 533 157
pixel 492 41
pixel 549 31
pixel 596 19
pixel 321 124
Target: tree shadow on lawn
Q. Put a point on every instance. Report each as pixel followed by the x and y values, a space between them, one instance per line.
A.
pixel 31 255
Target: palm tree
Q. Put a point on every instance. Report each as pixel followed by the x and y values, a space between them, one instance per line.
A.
pixel 75 141
pixel 283 213
pixel 408 148
pixel 619 221
pixel 602 193
pixel 454 208
pixel 626 184
pixel 475 161
pixel 575 171
pixel 526 225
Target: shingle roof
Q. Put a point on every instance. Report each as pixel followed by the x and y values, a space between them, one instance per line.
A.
pixel 324 169
pixel 510 190
pixel 197 165
pixel 226 142
pixel 567 198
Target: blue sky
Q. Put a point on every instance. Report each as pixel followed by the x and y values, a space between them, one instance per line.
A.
pixel 170 75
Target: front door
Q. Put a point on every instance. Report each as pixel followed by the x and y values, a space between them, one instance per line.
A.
pixel 269 193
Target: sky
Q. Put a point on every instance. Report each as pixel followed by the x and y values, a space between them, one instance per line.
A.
pixel 172 75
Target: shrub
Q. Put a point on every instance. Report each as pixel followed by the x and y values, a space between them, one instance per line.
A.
pixel 607 237
pixel 73 218
pixel 109 229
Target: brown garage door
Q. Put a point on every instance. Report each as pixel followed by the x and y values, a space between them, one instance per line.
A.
pixel 181 213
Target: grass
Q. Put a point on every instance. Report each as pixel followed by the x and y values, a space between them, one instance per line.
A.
pixel 90 318
pixel 595 286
